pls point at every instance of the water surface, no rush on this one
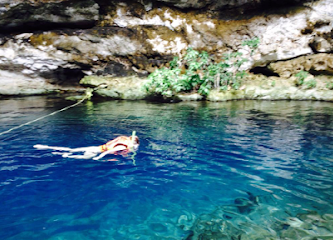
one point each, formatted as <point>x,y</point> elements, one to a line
<point>203,170</point>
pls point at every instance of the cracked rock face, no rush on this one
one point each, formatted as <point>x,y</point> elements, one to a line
<point>59,42</point>
<point>50,14</point>
<point>319,63</point>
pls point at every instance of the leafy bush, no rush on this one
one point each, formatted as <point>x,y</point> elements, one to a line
<point>300,77</point>
<point>329,85</point>
<point>198,72</point>
<point>312,83</point>
<point>301,80</point>
<point>252,43</point>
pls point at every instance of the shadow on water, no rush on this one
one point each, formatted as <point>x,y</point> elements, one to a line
<point>232,170</point>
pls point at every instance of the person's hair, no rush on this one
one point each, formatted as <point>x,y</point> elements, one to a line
<point>136,139</point>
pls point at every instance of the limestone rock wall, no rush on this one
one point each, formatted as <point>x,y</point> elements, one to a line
<point>321,63</point>
<point>55,43</point>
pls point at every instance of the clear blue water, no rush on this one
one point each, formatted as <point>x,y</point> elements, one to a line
<point>250,164</point>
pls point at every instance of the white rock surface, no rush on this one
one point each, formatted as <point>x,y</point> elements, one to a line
<point>140,42</point>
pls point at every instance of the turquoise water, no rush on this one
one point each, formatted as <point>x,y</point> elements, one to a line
<point>231,170</point>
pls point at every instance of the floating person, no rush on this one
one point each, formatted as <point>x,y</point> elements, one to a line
<point>120,145</point>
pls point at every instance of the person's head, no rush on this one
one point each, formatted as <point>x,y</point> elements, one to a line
<point>135,142</point>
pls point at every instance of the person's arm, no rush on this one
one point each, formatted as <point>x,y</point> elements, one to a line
<point>116,149</point>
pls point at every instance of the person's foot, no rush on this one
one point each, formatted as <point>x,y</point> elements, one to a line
<point>39,146</point>
<point>57,153</point>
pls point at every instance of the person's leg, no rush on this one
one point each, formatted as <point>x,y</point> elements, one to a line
<point>44,147</point>
<point>86,155</point>
<point>82,149</point>
<point>85,149</point>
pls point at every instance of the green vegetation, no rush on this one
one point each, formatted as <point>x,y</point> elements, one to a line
<point>312,83</point>
<point>199,72</point>
<point>329,85</point>
<point>252,43</point>
<point>300,77</point>
<point>301,80</point>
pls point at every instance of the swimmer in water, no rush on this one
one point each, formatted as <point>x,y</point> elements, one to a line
<point>120,145</point>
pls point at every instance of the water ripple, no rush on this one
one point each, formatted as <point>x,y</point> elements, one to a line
<point>203,170</point>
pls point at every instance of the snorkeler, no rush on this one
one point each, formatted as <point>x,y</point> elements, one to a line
<point>120,145</point>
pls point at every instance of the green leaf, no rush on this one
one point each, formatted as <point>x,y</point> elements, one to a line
<point>201,74</point>
<point>174,63</point>
<point>252,43</point>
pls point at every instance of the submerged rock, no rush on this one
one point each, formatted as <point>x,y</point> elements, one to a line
<point>309,225</point>
<point>246,220</point>
<point>263,221</point>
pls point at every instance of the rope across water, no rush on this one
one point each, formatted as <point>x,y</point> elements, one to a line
<point>88,95</point>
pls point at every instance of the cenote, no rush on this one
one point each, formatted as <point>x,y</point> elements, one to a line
<point>231,170</point>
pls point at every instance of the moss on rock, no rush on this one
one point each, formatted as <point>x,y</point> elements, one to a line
<point>275,88</point>
<point>45,39</point>
<point>127,88</point>
<point>256,87</point>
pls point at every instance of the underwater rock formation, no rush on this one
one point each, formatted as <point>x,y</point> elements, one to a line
<point>256,217</point>
<point>50,45</point>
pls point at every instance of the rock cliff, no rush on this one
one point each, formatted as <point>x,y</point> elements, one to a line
<point>50,45</point>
